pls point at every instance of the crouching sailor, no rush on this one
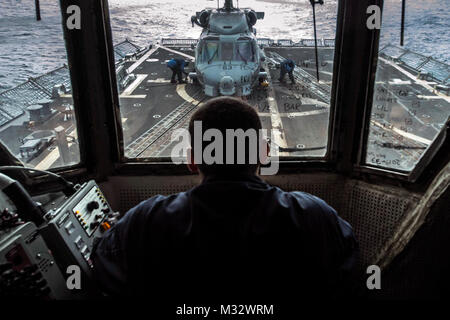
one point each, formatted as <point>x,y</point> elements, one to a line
<point>287,66</point>
<point>177,66</point>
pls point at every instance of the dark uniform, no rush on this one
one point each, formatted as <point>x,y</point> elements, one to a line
<point>287,66</point>
<point>231,236</point>
<point>177,66</point>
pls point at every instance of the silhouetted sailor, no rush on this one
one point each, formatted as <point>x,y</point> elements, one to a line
<point>232,236</point>
<point>177,66</point>
<point>287,66</point>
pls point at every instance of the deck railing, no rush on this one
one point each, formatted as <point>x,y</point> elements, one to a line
<point>13,102</point>
<point>423,66</point>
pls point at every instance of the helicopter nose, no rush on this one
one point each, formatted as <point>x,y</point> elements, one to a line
<point>227,87</point>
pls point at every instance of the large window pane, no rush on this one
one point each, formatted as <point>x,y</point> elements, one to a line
<point>37,121</point>
<point>411,100</point>
<point>152,108</point>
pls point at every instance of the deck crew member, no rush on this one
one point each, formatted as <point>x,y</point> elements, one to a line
<point>287,66</point>
<point>233,235</point>
<point>177,66</point>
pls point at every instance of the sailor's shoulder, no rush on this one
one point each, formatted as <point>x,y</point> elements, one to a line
<point>311,203</point>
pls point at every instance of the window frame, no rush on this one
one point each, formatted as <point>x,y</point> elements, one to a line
<point>80,167</point>
<point>347,122</point>
<point>361,166</point>
<point>91,65</point>
<point>287,163</point>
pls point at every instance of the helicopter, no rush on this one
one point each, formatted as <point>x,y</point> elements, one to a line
<point>228,60</point>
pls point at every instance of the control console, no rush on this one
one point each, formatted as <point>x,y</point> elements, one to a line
<point>27,266</point>
<point>72,229</point>
<point>36,258</point>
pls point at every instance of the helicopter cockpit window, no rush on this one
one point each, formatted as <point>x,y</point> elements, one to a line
<point>211,51</point>
<point>245,52</point>
<point>411,99</point>
<point>227,51</point>
<point>37,116</point>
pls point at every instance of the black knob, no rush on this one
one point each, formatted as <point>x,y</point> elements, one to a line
<point>94,224</point>
<point>92,205</point>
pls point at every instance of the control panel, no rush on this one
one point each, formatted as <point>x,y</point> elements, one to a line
<point>72,229</point>
<point>28,267</point>
<point>92,210</point>
<point>35,258</point>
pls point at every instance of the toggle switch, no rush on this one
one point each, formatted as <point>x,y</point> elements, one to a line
<point>105,226</point>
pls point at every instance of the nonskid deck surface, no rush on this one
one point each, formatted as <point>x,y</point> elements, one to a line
<point>406,116</point>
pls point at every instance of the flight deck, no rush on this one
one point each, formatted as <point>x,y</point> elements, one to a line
<point>406,116</point>
<point>156,108</point>
<point>407,113</point>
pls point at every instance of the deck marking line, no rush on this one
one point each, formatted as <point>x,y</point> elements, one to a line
<point>129,90</point>
<point>53,156</point>
<point>294,114</point>
<point>181,91</point>
<point>277,124</point>
<point>177,52</point>
<point>429,97</point>
<point>137,96</point>
<point>159,80</point>
<point>141,60</point>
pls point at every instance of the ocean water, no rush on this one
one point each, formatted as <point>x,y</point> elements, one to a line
<point>29,48</point>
